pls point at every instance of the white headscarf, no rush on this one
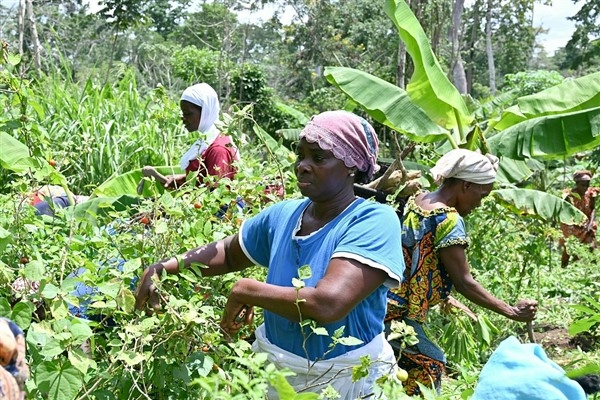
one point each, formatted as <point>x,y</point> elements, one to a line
<point>467,165</point>
<point>205,97</point>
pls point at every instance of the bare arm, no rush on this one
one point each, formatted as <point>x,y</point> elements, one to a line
<point>455,262</point>
<point>219,257</point>
<point>345,284</point>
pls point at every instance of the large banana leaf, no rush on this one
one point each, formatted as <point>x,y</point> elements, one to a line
<point>289,135</point>
<point>14,155</point>
<point>570,96</point>
<point>544,206</point>
<point>126,184</point>
<point>387,104</point>
<point>549,137</point>
<point>513,171</point>
<point>298,115</point>
<point>429,86</point>
<point>100,207</point>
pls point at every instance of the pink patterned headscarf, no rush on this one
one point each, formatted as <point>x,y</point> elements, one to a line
<point>349,137</point>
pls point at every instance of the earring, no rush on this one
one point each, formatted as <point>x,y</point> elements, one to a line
<point>352,174</point>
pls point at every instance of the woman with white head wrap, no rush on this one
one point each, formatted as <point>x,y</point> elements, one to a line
<point>213,153</point>
<point>434,240</point>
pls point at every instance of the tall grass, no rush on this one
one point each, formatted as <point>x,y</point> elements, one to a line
<point>94,132</point>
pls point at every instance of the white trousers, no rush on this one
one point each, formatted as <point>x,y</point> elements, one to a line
<point>336,371</point>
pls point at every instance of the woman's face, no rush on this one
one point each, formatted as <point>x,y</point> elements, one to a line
<point>190,115</point>
<point>321,176</point>
<point>582,186</point>
<point>473,194</point>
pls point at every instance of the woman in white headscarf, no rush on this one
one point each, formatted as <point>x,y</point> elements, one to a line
<point>434,240</point>
<point>213,153</point>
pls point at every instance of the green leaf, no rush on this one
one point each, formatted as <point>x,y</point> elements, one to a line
<point>127,183</point>
<point>52,349</point>
<point>429,86</point>
<point>5,238</point>
<point>297,283</point>
<point>283,387</point>
<point>580,326</point>
<point>21,314</point>
<point>549,137</point>
<point>58,380</point>
<point>80,361</point>
<point>59,308</point>
<point>544,206</point>
<point>130,358</point>
<point>98,207</point>
<point>299,116</point>
<point>14,155</point>
<point>386,103</point>
<point>512,171</point>
<point>290,135</point>
<point>81,331</point>
<point>110,289</point>
<point>35,270</point>
<point>5,308</point>
<point>350,341</point>
<point>592,368</point>
<point>50,291</point>
<point>570,96</point>
<point>126,301</point>
<point>319,331</point>
<point>304,272</point>
<point>161,227</point>
<point>132,265</point>
<point>200,363</point>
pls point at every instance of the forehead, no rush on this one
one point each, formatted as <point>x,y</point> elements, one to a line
<point>187,106</point>
<point>305,145</point>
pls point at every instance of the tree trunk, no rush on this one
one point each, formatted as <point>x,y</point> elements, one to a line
<point>401,69</point>
<point>21,25</point>
<point>488,47</point>
<point>37,47</point>
<point>458,70</point>
<point>471,46</point>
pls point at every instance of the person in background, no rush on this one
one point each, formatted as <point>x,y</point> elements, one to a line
<point>40,199</point>
<point>583,197</point>
<point>350,245</point>
<point>434,240</point>
<point>212,154</point>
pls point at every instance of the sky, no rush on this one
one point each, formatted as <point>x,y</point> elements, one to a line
<point>555,19</point>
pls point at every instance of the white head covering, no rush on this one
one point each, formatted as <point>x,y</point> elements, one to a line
<point>467,165</point>
<point>205,97</point>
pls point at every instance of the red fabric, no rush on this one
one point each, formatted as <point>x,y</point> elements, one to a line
<point>217,160</point>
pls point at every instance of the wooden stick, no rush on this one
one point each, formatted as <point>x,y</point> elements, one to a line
<point>530,332</point>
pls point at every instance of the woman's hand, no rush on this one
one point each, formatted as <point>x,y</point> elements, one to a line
<point>235,316</point>
<point>525,310</point>
<point>170,182</point>
<point>146,293</point>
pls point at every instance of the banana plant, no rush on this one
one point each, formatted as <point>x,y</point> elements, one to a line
<point>552,124</point>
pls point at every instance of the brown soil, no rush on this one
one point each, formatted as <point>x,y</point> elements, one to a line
<point>554,338</point>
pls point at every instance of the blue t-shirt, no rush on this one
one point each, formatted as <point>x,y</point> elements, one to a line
<point>366,231</point>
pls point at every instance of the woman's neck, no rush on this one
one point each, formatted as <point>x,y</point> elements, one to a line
<point>326,211</point>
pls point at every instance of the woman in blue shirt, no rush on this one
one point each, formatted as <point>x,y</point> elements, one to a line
<point>350,244</point>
